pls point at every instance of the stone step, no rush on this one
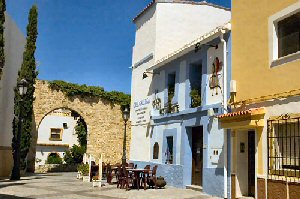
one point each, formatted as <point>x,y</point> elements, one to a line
<point>194,187</point>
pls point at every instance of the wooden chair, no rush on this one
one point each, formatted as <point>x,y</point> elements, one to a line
<point>131,165</point>
<point>152,177</point>
<point>120,177</point>
<point>145,175</point>
<point>127,179</point>
<point>108,173</point>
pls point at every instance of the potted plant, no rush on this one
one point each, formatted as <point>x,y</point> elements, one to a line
<point>96,181</point>
<point>171,93</point>
<point>84,170</point>
<point>195,98</point>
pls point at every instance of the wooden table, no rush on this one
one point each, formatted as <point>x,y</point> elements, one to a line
<point>137,173</point>
<point>115,169</point>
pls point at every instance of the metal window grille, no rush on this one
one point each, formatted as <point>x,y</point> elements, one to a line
<point>284,147</point>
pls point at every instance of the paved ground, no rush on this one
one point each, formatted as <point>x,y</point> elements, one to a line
<point>65,185</point>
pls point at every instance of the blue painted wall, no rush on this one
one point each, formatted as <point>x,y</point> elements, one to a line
<point>179,125</point>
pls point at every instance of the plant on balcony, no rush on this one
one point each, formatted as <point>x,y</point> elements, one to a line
<point>156,103</point>
<point>195,98</point>
<point>171,92</point>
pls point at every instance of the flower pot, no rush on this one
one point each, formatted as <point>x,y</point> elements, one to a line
<point>86,178</point>
<point>160,182</point>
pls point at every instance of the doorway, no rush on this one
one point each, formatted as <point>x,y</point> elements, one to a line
<point>251,163</point>
<point>197,155</point>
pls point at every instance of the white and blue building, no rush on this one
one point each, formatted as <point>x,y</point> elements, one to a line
<point>181,46</point>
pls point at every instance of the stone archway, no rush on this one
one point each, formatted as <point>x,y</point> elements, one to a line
<point>104,121</point>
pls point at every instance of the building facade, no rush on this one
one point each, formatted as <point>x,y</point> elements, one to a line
<point>14,47</point>
<point>176,51</point>
<point>265,99</point>
<point>56,134</point>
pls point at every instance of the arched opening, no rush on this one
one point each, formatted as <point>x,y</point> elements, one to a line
<point>61,135</point>
<point>54,158</point>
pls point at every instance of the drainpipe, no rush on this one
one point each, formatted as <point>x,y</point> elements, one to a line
<point>225,107</point>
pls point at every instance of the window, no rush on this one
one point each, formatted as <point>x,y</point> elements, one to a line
<point>155,151</point>
<point>284,35</point>
<point>288,31</point>
<point>56,134</point>
<point>195,84</point>
<point>284,147</point>
<point>169,150</point>
<point>171,93</point>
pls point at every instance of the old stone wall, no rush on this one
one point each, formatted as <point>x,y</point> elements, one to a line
<point>104,121</point>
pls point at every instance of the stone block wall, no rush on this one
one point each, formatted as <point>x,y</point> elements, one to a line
<point>104,121</point>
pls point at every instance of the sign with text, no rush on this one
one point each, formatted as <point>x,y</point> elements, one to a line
<point>141,110</point>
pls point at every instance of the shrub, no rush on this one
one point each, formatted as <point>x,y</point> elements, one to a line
<point>84,169</point>
<point>74,155</point>
<point>53,158</point>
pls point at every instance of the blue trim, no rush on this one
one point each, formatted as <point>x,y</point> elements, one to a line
<point>187,111</point>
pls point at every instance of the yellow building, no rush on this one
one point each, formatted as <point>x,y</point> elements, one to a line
<point>265,98</point>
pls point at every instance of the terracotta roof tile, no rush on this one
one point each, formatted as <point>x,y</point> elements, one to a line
<point>244,112</point>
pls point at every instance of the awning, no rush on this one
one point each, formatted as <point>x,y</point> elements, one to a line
<point>251,118</point>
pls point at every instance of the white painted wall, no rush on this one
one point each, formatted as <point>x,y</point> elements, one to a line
<point>210,94</point>
<point>160,30</point>
<point>42,153</point>
<point>145,35</point>
<point>179,24</point>
<point>14,47</point>
<point>68,136</point>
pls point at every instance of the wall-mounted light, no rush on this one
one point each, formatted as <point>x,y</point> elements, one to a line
<point>146,72</point>
<point>198,46</point>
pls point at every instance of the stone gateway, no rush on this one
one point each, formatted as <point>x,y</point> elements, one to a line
<point>105,125</point>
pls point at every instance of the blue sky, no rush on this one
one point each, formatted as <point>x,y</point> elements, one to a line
<point>84,41</point>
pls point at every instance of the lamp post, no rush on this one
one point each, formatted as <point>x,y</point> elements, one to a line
<point>126,114</point>
<point>22,88</point>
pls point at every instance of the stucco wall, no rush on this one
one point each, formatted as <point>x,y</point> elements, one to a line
<point>179,24</point>
<point>14,47</point>
<point>69,136</point>
<point>250,51</point>
<point>104,121</point>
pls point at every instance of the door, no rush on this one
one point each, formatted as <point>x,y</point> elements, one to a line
<point>251,163</point>
<point>197,155</point>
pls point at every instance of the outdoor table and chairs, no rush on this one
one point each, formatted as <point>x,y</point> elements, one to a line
<point>138,174</point>
<point>130,176</point>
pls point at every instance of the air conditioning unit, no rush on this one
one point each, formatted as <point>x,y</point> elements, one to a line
<point>232,86</point>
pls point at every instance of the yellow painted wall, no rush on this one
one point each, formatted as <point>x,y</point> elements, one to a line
<point>250,51</point>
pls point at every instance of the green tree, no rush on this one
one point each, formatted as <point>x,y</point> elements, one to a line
<point>74,155</point>
<point>24,104</point>
<point>81,131</point>
<point>2,20</point>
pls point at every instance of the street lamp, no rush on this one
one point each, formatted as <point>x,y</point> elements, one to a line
<point>22,88</point>
<point>126,114</point>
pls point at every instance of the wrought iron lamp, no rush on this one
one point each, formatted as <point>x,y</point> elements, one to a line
<point>126,114</point>
<point>148,72</point>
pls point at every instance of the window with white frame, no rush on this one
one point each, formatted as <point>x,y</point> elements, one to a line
<point>284,35</point>
<point>288,32</point>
